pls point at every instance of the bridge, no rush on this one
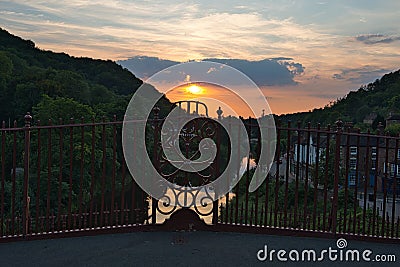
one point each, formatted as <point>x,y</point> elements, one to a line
<point>68,180</point>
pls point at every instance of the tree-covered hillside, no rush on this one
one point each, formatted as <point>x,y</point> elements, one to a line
<point>381,98</point>
<point>29,76</point>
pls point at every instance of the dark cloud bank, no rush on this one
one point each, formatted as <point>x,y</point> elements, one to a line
<point>267,72</point>
<point>360,75</point>
<point>371,39</point>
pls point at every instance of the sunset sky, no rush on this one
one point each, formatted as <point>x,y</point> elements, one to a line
<point>323,49</point>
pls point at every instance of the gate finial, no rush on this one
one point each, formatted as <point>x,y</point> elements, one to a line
<point>28,119</point>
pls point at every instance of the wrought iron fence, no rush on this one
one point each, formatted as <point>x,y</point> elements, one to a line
<point>334,180</point>
<point>60,178</point>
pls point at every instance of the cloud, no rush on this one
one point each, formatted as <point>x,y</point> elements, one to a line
<point>326,96</point>
<point>338,76</point>
<point>321,35</point>
<point>144,67</point>
<point>362,75</point>
<point>371,39</point>
<point>183,31</point>
<point>266,72</point>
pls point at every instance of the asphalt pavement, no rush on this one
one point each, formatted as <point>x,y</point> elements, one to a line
<point>191,249</point>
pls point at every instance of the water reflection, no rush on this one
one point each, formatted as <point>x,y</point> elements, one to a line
<point>160,218</point>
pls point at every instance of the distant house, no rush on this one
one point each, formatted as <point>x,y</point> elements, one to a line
<point>305,152</point>
<point>366,160</point>
<point>360,157</point>
<point>367,164</point>
<point>391,170</point>
<point>369,119</point>
<point>392,119</point>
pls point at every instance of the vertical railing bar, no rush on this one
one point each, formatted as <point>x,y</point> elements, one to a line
<point>398,226</point>
<point>216,171</point>
<point>103,172</point>
<point>396,159</point>
<point>246,208</point>
<point>231,213</point>
<point>71,156</point>
<point>49,163</point>
<point>14,167</point>
<point>277,183</point>
<point>346,178</point>
<point>306,175</point>
<point>385,186</point>
<point>92,174</point>
<point>367,178</point>
<point>377,138</point>
<point>143,194</point>
<point>80,201</point>
<point>26,199</point>
<point>133,184</point>
<point>60,175</point>
<point>227,193</point>
<point>258,152</point>
<point>238,173</point>
<point>266,200</point>
<point>296,193</point>
<point>356,204</point>
<point>122,205</point>
<point>288,158</point>
<point>3,144</point>
<point>112,218</point>
<point>316,178</point>
<point>156,157</point>
<point>326,174</point>
<point>336,176</point>
<point>49,170</point>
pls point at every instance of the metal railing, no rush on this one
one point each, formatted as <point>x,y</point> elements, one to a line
<point>315,189</point>
<point>73,178</point>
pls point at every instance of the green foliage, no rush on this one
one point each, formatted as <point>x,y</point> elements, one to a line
<point>394,103</point>
<point>381,97</point>
<point>362,112</point>
<point>27,74</point>
<point>54,109</point>
<point>393,129</point>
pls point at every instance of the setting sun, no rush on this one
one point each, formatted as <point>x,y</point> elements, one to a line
<point>194,89</point>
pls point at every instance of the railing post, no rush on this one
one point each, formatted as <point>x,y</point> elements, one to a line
<point>25,218</point>
<point>216,207</point>
<point>338,140</point>
<point>154,202</point>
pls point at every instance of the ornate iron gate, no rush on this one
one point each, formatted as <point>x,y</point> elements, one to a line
<point>184,187</point>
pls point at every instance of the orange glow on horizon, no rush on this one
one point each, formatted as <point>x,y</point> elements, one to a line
<point>282,100</point>
<point>214,96</point>
<point>195,89</point>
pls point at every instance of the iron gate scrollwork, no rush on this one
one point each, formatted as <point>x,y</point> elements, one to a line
<point>190,171</point>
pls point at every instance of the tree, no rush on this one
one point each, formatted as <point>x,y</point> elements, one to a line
<point>6,69</point>
<point>362,112</point>
<point>393,129</point>
<point>394,103</point>
<point>64,108</point>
